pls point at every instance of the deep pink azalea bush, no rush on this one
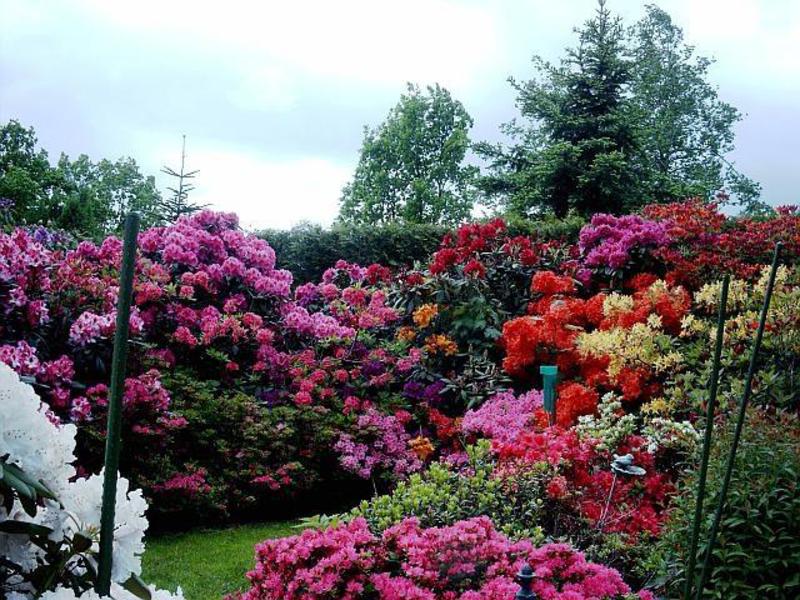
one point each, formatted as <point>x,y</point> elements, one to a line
<point>503,416</point>
<point>468,560</point>
<point>207,298</point>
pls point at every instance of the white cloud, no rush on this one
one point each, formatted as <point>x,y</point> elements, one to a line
<point>273,95</point>
<point>265,193</point>
<point>352,40</point>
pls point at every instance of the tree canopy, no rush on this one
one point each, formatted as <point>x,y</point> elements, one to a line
<point>411,168</point>
<point>80,196</point>
<point>626,118</point>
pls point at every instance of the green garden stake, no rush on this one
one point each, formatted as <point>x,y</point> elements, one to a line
<point>748,388</point>
<point>712,404</point>
<point>549,375</point>
<point>113,429</point>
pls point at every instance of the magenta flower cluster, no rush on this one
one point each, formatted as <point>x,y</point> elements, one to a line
<point>609,241</point>
<point>468,560</point>
<point>502,417</point>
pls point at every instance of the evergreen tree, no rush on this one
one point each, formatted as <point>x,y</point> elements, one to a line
<point>575,150</point>
<point>178,203</point>
<point>627,118</point>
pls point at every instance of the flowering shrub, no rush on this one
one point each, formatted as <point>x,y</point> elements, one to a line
<point>50,523</point>
<point>614,242</point>
<point>503,417</point>
<point>387,447</point>
<point>468,560</point>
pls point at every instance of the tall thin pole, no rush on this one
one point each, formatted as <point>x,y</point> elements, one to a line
<point>748,388</point>
<point>113,430</point>
<point>712,405</point>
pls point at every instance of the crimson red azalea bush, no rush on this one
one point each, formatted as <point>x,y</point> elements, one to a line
<point>581,481</point>
<point>466,561</point>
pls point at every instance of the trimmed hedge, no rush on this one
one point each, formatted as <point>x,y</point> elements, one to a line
<point>307,250</point>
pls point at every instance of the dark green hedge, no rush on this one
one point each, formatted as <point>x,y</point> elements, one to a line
<point>308,250</point>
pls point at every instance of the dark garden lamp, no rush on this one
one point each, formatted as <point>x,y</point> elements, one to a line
<point>525,579</point>
<point>549,375</point>
<point>621,465</point>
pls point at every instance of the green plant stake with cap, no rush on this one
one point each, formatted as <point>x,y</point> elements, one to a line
<point>113,430</point>
<point>549,375</point>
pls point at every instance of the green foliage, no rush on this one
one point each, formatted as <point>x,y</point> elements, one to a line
<point>626,119</point>
<point>576,152</point>
<point>234,440</point>
<point>410,167</point>
<point>80,196</point>
<point>308,250</point>
<point>758,548</point>
<point>684,130</point>
<point>441,496</point>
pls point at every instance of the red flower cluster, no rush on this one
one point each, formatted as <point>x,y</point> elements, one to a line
<point>581,479</point>
<point>548,335</point>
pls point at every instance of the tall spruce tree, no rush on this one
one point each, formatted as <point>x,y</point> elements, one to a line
<point>574,150</point>
<point>627,118</point>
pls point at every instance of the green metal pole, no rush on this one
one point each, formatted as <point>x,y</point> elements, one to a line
<point>748,388</point>
<point>113,430</point>
<point>712,404</point>
<point>549,375</point>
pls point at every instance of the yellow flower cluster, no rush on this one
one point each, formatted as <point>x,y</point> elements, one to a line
<point>744,303</point>
<point>441,343</point>
<point>425,314</point>
<point>644,344</point>
<point>658,407</point>
<point>707,297</point>
<point>616,304</point>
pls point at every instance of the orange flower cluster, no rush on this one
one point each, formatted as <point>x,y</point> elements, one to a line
<point>575,400</point>
<point>548,335</point>
<point>425,314</point>
<point>440,343</point>
<point>406,334</point>
<point>422,447</point>
<point>671,304</point>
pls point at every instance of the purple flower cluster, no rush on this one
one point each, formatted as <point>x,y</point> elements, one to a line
<point>609,241</point>
<point>503,416</point>
<point>378,443</point>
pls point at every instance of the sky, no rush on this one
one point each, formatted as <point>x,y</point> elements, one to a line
<point>273,96</point>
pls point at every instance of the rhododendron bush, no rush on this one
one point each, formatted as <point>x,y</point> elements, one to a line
<point>422,387</point>
<point>207,298</point>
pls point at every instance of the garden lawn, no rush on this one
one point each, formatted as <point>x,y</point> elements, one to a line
<point>208,563</point>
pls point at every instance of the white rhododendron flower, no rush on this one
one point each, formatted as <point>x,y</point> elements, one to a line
<point>43,450</point>
<point>117,593</point>
<point>83,501</point>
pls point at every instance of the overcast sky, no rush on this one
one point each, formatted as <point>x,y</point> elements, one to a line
<point>273,96</point>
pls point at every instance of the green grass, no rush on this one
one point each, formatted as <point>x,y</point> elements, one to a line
<point>207,563</point>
